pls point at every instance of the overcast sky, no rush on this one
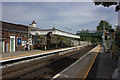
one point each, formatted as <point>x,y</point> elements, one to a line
<point>62,15</point>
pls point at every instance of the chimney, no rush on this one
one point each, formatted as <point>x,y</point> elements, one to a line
<point>33,24</point>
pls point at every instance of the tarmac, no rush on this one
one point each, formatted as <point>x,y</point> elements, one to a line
<point>80,69</point>
<point>16,53</point>
<point>96,65</point>
<point>103,67</point>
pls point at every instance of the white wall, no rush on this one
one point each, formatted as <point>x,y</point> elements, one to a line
<point>12,37</point>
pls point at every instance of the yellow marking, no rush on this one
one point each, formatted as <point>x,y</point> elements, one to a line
<point>91,64</point>
<point>34,53</point>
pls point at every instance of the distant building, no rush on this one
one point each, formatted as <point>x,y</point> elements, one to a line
<point>53,38</point>
<point>17,37</point>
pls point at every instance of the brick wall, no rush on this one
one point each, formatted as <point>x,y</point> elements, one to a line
<point>19,31</point>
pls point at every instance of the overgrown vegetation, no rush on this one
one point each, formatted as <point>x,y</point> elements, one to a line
<point>105,24</point>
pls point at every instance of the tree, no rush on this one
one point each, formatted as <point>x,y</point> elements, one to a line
<point>107,4</point>
<point>102,24</point>
<point>83,30</point>
<point>87,30</point>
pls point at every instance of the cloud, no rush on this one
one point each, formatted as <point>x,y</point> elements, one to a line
<point>75,15</point>
<point>47,0</point>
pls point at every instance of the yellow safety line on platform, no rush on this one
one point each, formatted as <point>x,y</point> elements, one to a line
<point>33,53</point>
<point>24,55</point>
<point>92,63</point>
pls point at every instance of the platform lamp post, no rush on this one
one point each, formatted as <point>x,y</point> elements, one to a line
<point>111,32</point>
<point>29,31</point>
<point>118,27</point>
<point>103,37</point>
<point>28,39</point>
<point>45,42</point>
<point>119,54</point>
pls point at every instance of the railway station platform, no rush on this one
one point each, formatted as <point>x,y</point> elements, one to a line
<point>17,53</point>
<point>21,54</point>
<point>80,68</point>
<point>104,67</point>
<point>89,68</point>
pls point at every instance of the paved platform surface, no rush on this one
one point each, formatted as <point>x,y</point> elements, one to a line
<point>80,68</point>
<point>103,67</point>
<point>10,54</point>
<point>96,65</point>
<point>15,54</point>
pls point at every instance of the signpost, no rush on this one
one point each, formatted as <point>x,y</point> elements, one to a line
<point>29,38</point>
<point>103,37</point>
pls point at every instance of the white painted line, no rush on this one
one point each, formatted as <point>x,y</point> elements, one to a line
<point>57,75</point>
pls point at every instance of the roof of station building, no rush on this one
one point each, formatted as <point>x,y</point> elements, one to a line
<point>54,31</point>
<point>12,27</point>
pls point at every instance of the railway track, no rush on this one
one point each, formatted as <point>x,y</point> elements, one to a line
<point>44,68</point>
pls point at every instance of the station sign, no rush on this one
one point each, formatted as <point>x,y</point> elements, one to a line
<point>18,41</point>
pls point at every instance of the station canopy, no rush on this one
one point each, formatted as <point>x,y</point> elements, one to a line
<point>54,31</point>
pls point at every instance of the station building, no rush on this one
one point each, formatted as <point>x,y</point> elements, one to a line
<point>14,37</point>
<point>52,38</point>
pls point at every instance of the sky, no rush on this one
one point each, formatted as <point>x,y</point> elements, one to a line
<point>67,16</point>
